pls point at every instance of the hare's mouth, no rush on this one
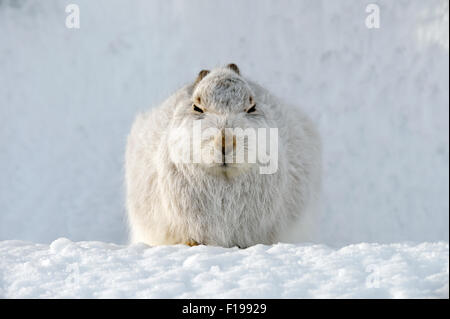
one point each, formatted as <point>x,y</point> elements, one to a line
<point>227,170</point>
<point>224,166</point>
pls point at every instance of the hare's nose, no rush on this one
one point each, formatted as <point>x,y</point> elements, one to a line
<point>226,142</point>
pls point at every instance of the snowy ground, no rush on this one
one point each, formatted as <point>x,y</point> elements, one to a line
<point>379,97</point>
<point>98,270</point>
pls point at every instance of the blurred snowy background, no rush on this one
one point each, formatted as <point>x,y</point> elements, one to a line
<point>380,97</point>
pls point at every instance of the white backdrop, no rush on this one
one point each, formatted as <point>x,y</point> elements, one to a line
<point>379,96</point>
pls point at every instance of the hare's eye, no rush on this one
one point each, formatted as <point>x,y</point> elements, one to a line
<point>252,109</point>
<point>197,109</point>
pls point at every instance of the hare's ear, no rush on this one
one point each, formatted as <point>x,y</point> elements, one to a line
<point>200,76</point>
<point>234,67</point>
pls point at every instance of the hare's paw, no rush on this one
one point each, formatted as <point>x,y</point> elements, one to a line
<point>191,243</point>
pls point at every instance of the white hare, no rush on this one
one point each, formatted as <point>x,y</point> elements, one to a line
<point>215,199</point>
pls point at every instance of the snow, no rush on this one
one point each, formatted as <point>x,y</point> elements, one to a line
<point>379,96</point>
<point>66,269</point>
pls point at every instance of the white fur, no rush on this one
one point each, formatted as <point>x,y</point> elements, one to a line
<point>172,203</point>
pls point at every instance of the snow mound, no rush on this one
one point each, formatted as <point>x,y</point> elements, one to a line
<point>66,269</point>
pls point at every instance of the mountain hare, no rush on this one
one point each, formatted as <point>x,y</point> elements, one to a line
<point>222,162</point>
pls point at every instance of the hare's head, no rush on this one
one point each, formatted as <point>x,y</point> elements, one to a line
<point>218,125</point>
